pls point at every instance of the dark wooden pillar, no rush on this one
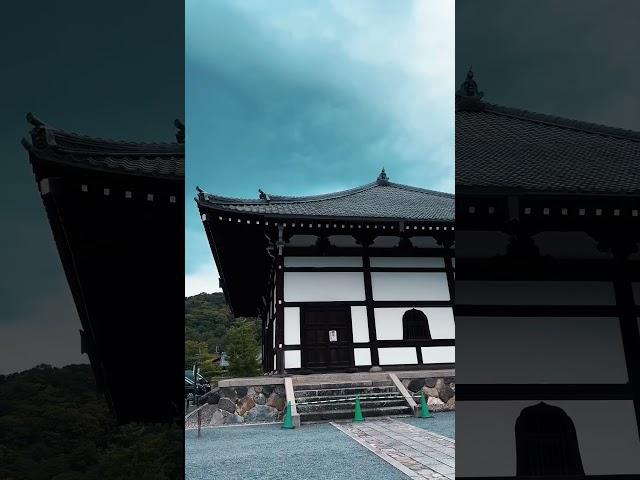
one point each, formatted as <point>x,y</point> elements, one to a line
<point>366,241</point>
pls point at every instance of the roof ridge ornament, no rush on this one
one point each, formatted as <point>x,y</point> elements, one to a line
<point>468,97</point>
<point>264,195</point>
<point>383,178</point>
<point>35,121</point>
<point>469,88</point>
<point>180,133</point>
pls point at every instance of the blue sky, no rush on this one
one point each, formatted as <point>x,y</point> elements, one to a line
<point>298,98</point>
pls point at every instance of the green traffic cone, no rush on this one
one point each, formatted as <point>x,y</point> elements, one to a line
<point>358,417</point>
<point>288,419</point>
<point>425,408</point>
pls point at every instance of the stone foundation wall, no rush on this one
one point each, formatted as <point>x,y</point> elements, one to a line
<point>232,405</point>
<point>439,392</point>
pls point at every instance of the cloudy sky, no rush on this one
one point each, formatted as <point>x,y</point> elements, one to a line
<point>299,98</point>
<point>87,68</point>
<point>572,58</point>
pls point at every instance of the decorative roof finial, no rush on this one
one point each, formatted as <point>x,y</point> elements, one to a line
<point>469,87</point>
<point>180,133</point>
<point>264,195</point>
<point>383,179</point>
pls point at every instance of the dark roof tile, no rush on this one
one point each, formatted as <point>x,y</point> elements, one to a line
<point>384,200</point>
<point>508,148</point>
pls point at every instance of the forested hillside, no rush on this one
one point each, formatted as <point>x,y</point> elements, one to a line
<point>207,324</point>
<point>207,319</point>
<point>53,425</point>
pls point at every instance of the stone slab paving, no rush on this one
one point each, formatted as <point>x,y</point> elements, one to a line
<point>414,451</point>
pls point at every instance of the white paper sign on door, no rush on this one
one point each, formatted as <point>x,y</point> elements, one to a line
<point>333,336</point>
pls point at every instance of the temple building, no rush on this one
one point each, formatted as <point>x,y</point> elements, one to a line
<point>344,281</point>
<point>116,210</point>
<point>547,294</point>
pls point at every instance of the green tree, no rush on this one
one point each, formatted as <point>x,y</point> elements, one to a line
<point>243,349</point>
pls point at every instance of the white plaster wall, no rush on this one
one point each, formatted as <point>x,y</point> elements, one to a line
<point>386,242</point>
<point>362,356</point>
<point>540,350</point>
<point>573,245</point>
<point>292,359</point>
<point>410,286</point>
<point>323,261</point>
<point>343,241</point>
<point>534,293</point>
<point>292,326</point>
<point>323,286</point>
<point>302,241</point>
<point>389,322</point>
<point>397,355</point>
<point>438,354</point>
<point>359,324</point>
<point>425,242</point>
<point>407,262</point>
<point>606,431</point>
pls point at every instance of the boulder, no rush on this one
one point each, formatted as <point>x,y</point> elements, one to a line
<point>260,399</point>
<point>451,403</point>
<point>435,404</point>
<point>452,385</point>
<point>444,391</point>
<point>241,391</point>
<point>229,392</point>
<point>277,401</point>
<point>227,404</point>
<point>257,389</point>
<point>212,397</point>
<point>230,418</point>
<point>261,413</point>
<point>430,382</point>
<point>416,384</point>
<point>430,392</point>
<point>267,389</point>
<point>279,389</point>
<point>245,404</point>
<point>217,418</point>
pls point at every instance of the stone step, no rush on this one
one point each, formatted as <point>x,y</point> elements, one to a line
<point>338,385</point>
<point>346,391</point>
<point>349,398</point>
<point>340,414</point>
<point>349,404</point>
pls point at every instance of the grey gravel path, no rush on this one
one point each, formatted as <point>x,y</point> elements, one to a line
<point>265,452</point>
<point>414,451</point>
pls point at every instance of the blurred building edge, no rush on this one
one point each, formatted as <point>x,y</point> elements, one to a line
<point>547,289</point>
<point>116,210</point>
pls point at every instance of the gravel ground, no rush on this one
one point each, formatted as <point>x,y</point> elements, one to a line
<point>316,451</point>
<point>442,423</point>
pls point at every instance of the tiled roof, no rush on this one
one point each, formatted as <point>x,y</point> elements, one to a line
<point>380,199</point>
<point>509,148</point>
<point>165,160</point>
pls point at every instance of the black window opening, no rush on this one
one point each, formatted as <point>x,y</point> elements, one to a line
<point>546,442</point>
<point>415,325</point>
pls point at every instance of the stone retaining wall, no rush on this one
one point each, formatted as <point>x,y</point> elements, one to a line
<point>241,404</point>
<point>440,392</point>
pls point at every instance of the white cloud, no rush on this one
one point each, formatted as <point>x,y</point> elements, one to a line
<point>203,279</point>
